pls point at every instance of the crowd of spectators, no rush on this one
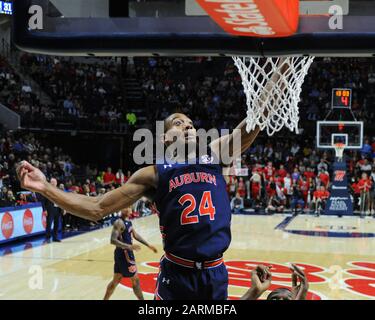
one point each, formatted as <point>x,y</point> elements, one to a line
<point>292,175</point>
<point>54,163</point>
<point>281,174</point>
<point>85,96</point>
<point>91,95</point>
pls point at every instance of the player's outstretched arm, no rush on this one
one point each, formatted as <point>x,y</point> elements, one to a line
<point>118,226</point>
<point>90,208</point>
<point>261,278</point>
<point>227,144</point>
<point>138,237</point>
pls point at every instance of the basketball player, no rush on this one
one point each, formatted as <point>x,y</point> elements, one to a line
<point>261,280</point>
<point>192,202</point>
<point>125,266</point>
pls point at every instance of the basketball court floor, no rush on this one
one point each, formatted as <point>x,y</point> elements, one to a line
<point>337,254</point>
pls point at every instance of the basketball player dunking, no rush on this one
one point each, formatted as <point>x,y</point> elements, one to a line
<point>193,205</point>
<point>125,266</point>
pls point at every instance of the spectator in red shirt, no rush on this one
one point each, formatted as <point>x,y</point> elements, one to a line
<point>241,189</point>
<point>309,173</point>
<point>22,200</point>
<point>304,187</point>
<point>320,198</point>
<point>282,172</point>
<point>269,171</point>
<point>109,177</point>
<point>271,188</point>
<point>356,192</point>
<point>324,178</point>
<point>255,190</point>
<point>128,175</point>
<point>364,185</point>
<point>120,177</point>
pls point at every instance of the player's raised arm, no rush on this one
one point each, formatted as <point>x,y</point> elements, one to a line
<point>90,208</point>
<point>227,144</point>
<point>118,226</point>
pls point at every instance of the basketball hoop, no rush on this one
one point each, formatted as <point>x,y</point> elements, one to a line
<point>272,86</point>
<point>339,149</point>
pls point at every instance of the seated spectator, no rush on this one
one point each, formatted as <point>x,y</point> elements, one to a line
<point>319,200</point>
<point>120,177</point>
<point>22,201</point>
<point>237,203</point>
<point>366,149</point>
<point>109,177</point>
<point>8,201</point>
<point>322,165</point>
<point>324,178</point>
<point>275,205</point>
<point>296,199</point>
<point>366,167</point>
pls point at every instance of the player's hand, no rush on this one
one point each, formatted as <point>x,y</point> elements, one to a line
<point>261,279</point>
<point>299,291</point>
<point>31,178</point>
<point>154,250</point>
<point>136,247</point>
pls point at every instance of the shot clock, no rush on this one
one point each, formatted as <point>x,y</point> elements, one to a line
<point>342,98</point>
<point>6,7</point>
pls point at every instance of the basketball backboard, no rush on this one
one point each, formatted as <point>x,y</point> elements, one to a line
<point>350,133</point>
<point>181,27</point>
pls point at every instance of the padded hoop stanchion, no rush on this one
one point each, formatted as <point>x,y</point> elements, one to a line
<point>254,18</point>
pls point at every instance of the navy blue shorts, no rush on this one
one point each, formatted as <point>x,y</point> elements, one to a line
<point>125,263</point>
<point>181,283</point>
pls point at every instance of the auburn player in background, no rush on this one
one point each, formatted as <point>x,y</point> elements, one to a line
<point>125,266</point>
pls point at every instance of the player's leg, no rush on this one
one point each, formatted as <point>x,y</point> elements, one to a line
<point>312,206</point>
<point>112,285</point>
<point>49,224</point>
<point>215,281</point>
<point>56,222</point>
<point>368,203</point>
<point>362,201</point>
<point>320,206</point>
<point>137,287</point>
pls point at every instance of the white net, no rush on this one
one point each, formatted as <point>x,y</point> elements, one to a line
<point>339,149</point>
<point>273,87</point>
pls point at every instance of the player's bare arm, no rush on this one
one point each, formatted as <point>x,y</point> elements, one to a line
<point>90,208</point>
<point>226,143</point>
<point>118,228</point>
<point>261,278</point>
<point>138,237</point>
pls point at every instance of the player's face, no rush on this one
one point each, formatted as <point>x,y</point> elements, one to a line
<point>280,294</point>
<point>180,128</point>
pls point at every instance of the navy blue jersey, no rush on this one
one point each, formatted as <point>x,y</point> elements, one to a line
<point>194,210</point>
<point>126,235</point>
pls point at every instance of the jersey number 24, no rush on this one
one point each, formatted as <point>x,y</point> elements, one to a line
<point>206,208</point>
